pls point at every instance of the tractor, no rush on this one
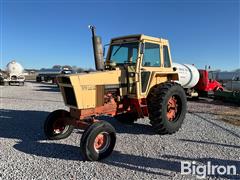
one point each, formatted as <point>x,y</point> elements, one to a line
<point>135,81</point>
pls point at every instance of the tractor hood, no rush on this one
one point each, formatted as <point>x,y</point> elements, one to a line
<point>86,90</point>
<point>98,78</point>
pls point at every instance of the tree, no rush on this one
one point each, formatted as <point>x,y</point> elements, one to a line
<point>57,67</point>
<point>80,70</point>
<point>91,70</point>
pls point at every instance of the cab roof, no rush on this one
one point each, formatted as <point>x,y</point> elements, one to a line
<point>138,37</point>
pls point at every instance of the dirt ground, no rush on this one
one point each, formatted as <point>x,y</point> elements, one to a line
<point>227,112</point>
<point>139,154</point>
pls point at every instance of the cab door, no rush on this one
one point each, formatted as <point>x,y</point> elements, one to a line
<point>151,61</point>
<point>130,68</point>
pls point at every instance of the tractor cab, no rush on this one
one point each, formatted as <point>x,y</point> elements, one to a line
<point>143,58</point>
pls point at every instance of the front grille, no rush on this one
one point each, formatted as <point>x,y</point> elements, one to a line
<point>14,78</point>
<point>70,96</point>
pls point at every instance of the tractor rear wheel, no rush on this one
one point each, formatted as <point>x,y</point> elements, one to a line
<point>98,141</point>
<point>167,106</point>
<point>55,127</point>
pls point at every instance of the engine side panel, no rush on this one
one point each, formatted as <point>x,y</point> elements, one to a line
<point>84,91</point>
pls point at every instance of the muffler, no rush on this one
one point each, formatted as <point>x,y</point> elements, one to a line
<point>97,49</point>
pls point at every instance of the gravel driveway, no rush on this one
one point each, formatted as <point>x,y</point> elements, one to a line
<point>138,154</point>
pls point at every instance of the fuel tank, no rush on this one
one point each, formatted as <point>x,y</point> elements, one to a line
<point>14,67</point>
<point>188,75</point>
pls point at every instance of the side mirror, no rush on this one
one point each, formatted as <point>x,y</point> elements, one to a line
<point>142,48</point>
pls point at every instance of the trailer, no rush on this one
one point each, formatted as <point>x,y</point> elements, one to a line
<point>196,82</point>
<point>228,96</point>
<point>13,74</point>
<point>51,74</point>
<point>231,92</point>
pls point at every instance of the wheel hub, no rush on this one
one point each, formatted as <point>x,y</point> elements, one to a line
<point>172,108</point>
<point>101,142</point>
<point>58,127</point>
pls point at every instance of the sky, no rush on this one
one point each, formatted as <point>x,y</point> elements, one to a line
<point>42,33</point>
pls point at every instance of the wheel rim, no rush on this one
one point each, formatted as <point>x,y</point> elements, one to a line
<point>59,127</point>
<point>172,108</point>
<point>102,142</point>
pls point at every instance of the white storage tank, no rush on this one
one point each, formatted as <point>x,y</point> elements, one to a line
<point>188,75</point>
<point>14,67</point>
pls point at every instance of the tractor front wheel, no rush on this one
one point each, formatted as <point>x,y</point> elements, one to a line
<point>167,106</point>
<point>55,127</point>
<point>98,141</point>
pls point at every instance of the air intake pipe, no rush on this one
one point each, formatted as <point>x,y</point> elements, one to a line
<point>97,49</point>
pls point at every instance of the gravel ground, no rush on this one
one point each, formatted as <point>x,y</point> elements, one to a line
<point>138,154</point>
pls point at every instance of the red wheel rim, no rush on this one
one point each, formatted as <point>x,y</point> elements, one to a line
<point>58,127</point>
<point>172,108</point>
<point>101,142</point>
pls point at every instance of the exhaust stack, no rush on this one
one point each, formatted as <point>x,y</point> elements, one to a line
<point>97,49</point>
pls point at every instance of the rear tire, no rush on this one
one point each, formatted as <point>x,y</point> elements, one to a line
<point>98,141</point>
<point>167,106</point>
<point>54,127</point>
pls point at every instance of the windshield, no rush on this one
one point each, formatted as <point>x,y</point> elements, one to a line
<point>124,53</point>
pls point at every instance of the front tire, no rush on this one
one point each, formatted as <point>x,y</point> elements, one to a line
<point>167,106</point>
<point>98,141</point>
<point>55,127</point>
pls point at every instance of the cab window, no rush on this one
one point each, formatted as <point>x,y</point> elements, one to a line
<point>151,56</point>
<point>166,57</point>
<point>124,53</point>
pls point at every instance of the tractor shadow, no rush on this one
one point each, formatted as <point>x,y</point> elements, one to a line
<point>48,88</point>
<point>26,128</point>
<point>134,128</point>
<point>143,164</point>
